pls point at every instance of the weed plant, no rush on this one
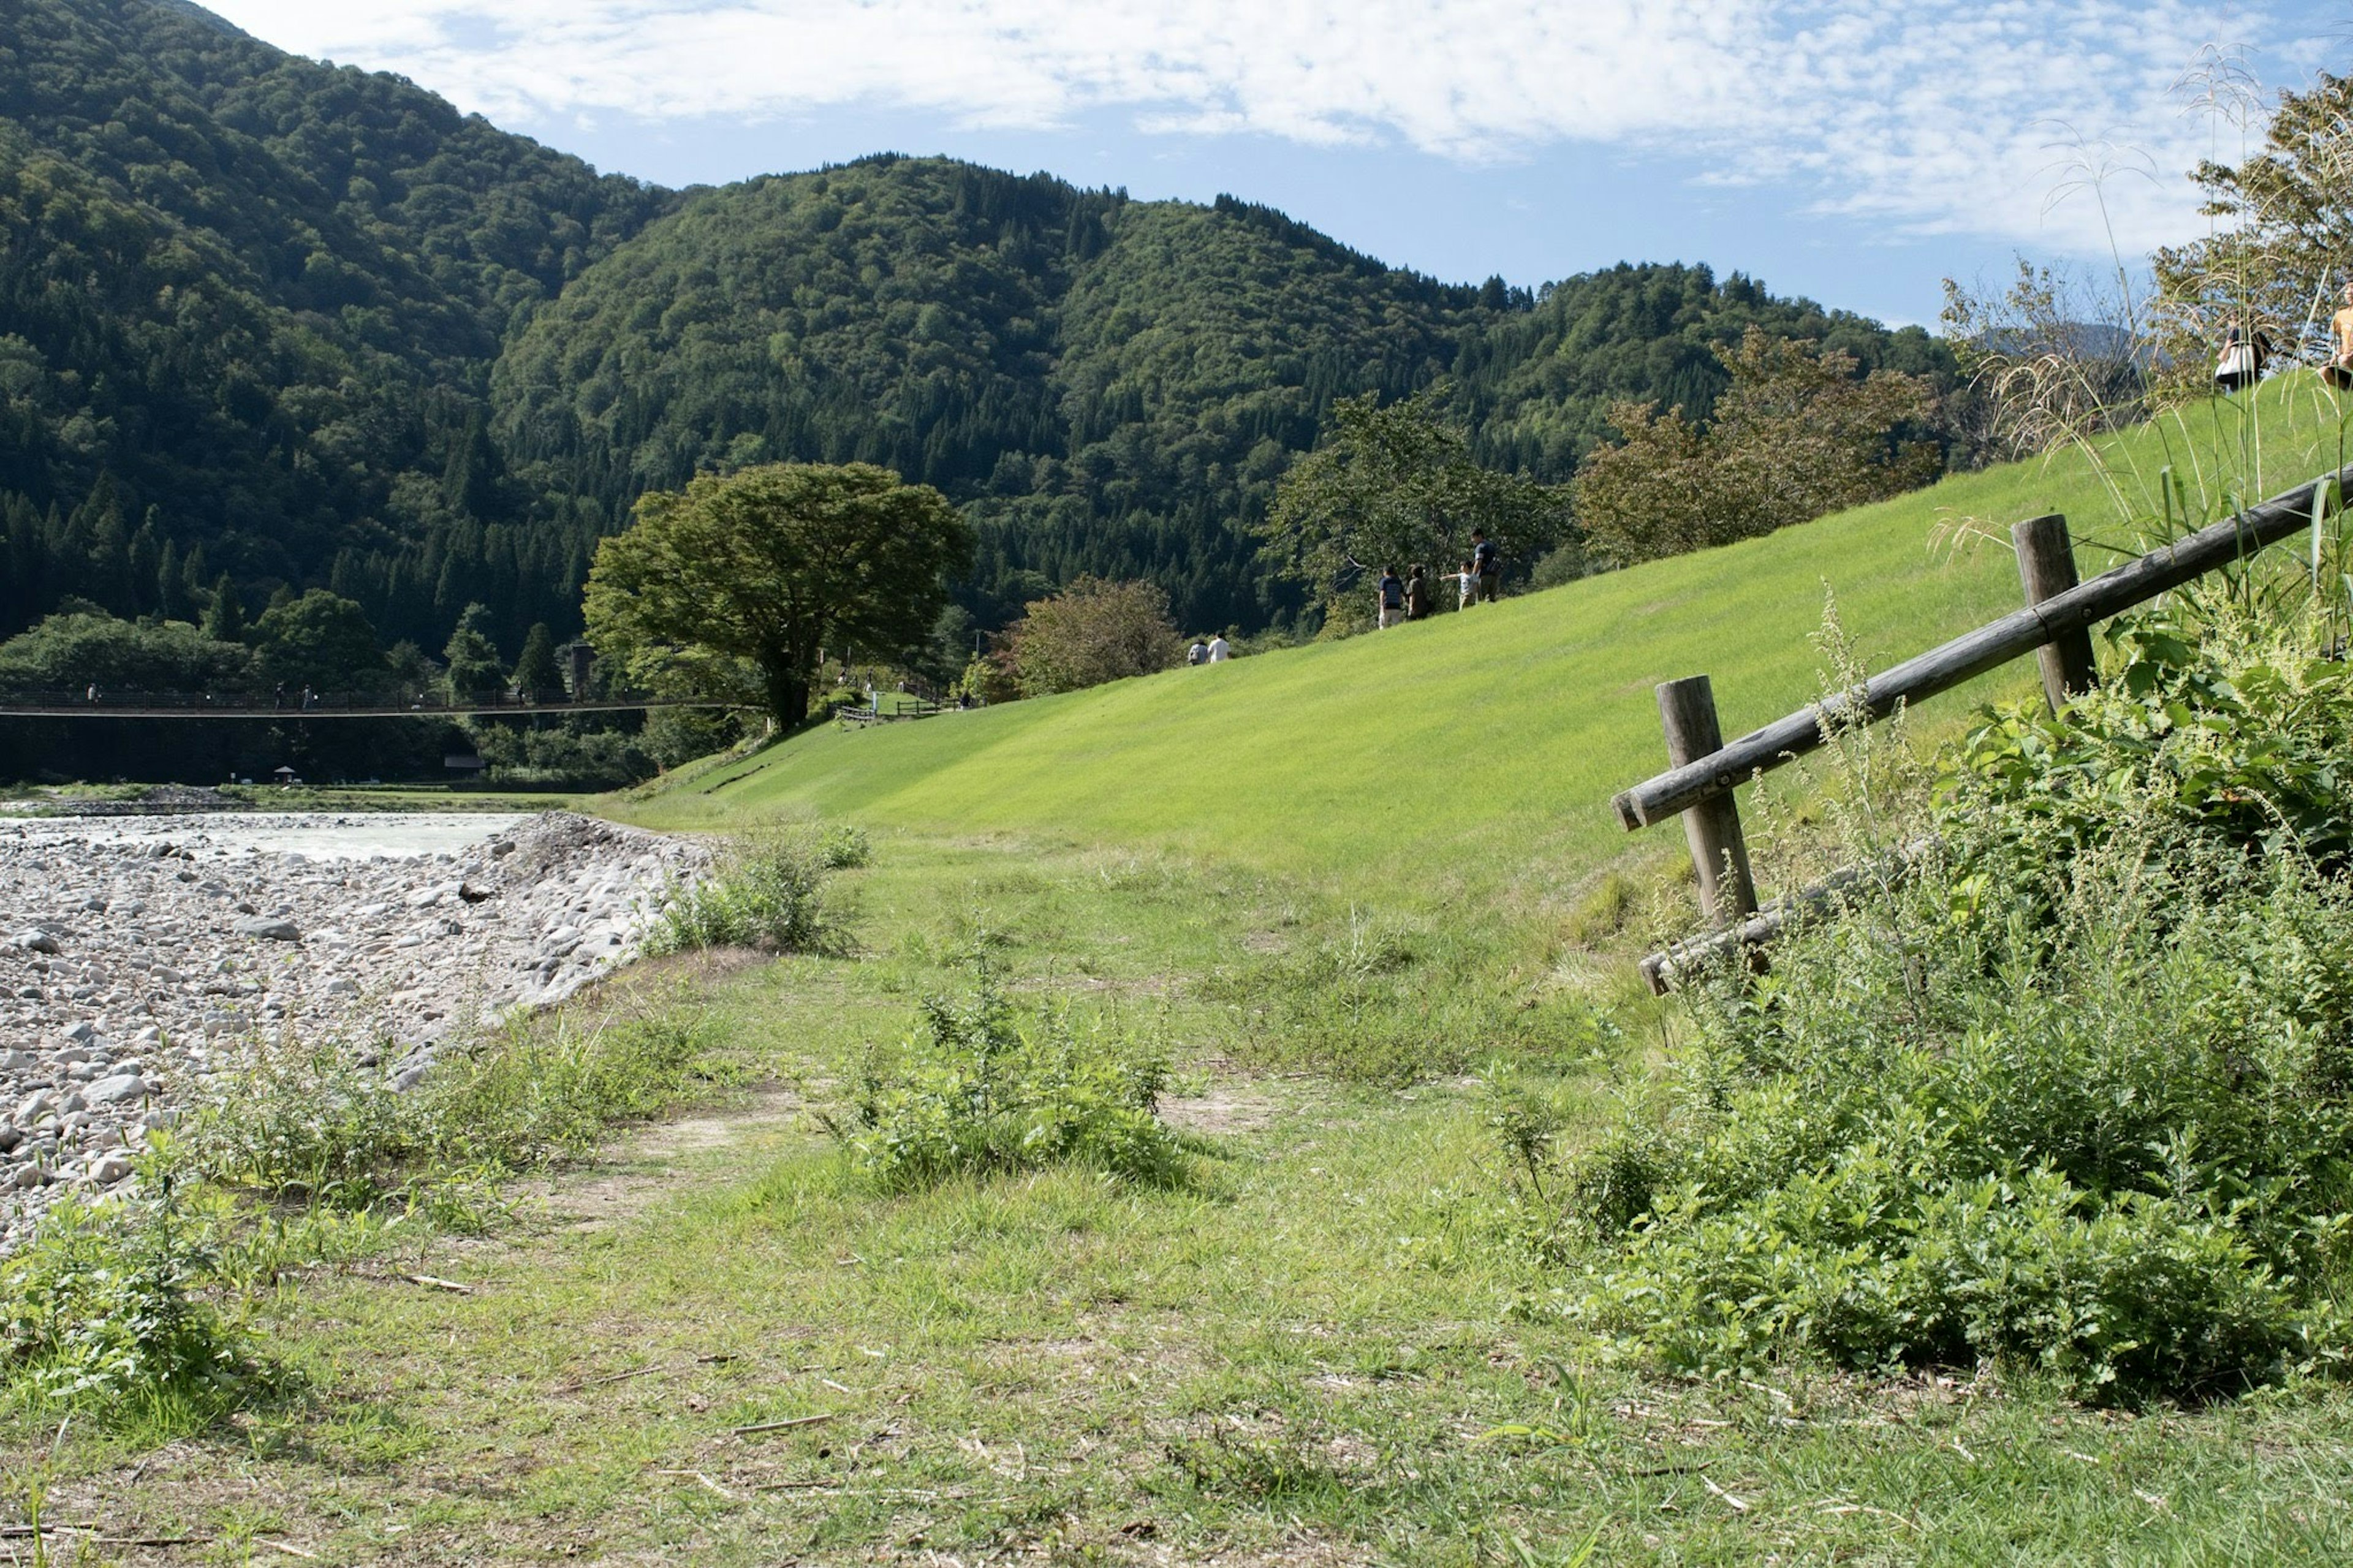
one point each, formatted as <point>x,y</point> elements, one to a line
<point>2075,1095</point>
<point>115,1305</point>
<point>766,893</point>
<point>108,1302</point>
<point>980,1087</point>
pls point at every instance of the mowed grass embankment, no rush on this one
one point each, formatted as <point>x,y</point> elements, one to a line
<point>1480,748</point>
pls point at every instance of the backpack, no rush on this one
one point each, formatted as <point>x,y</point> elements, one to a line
<point>1392,594</point>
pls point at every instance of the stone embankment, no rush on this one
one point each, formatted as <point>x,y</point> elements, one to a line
<point>131,950</point>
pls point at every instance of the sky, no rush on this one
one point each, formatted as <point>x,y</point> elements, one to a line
<point>1857,152</point>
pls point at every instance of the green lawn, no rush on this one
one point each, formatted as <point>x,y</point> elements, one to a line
<point>1473,750</point>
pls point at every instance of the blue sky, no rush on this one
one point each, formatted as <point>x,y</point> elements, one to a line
<point>1848,149</point>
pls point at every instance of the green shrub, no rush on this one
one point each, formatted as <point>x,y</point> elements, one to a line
<point>978,1087</point>
<point>105,1304</point>
<point>300,1118</point>
<point>2077,1095</point>
<point>540,1094</point>
<point>766,893</point>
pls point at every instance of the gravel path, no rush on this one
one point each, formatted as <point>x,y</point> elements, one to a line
<point>128,946</point>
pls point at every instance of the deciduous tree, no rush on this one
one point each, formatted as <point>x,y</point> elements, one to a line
<point>1395,484</point>
<point>1095,630</point>
<point>1797,436</point>
<point>737,583</point>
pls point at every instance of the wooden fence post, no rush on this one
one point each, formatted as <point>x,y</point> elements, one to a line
<point>2046,568</point>
<point>1727,891</point>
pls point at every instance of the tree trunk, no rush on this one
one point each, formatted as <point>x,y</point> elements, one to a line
<point>788,695</point>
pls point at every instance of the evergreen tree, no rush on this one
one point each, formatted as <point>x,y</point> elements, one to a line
<point>471,667</point>
<point>536,675</point>
<point>225,616</point>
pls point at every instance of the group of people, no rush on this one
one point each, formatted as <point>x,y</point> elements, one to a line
<point>2245,350</point>
<point>1407,598</point>
<point>1216,650</point>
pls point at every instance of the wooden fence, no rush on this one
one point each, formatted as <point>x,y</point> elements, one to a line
<point>2055,625</point>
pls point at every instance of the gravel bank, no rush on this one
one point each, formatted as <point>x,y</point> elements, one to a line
<point>129,946</point>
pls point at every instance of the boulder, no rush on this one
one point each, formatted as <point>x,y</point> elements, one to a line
<point>272,929</point>
<point>120,1090</point>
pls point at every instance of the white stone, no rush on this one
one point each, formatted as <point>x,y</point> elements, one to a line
<point>120,1089</point>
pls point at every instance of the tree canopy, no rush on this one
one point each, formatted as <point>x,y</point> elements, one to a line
<point>310,326</point>
<point>1799,434</point>
<point>1394,485</point>
<point>745,580</point>
<point>2276,259</point>
<point>1092,632</point>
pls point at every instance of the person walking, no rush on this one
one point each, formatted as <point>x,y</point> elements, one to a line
<point>1198,653</point>
<point>1221,649</point>
<point>1391,603</point>
<point>1489,564</point>
<point>1416,593</point>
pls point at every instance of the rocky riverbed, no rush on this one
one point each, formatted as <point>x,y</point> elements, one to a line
<point>131,948</point>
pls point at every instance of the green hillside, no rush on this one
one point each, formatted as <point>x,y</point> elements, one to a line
<point>1105,385</point>
<point>312,327</point>
<point>1479,749</point>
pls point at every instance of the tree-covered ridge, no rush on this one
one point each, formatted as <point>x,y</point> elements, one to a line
<point>1109,387</point>
<point>1537,385</point>
<point>311,327</point>
<point>248,305</point>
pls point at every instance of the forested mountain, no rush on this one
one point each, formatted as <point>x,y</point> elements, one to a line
<point>248,306</point>
<point>311,327</point>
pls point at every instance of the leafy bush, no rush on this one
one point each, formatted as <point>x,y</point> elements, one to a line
<point>978,1088</point>
<point>2078,1095</point>
<point>768,893</point>
<point>105,1303</point>
<point>294,1117</point>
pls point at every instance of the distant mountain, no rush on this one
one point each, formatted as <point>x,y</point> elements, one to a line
<point>311,326</point>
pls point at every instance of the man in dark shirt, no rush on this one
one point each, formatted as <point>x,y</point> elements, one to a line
<point>1488,564</point>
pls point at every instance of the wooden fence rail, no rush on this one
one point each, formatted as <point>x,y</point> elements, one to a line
<point>2055,625</point>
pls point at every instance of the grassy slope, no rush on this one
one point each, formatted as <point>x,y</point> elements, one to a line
<point>1491,739</point>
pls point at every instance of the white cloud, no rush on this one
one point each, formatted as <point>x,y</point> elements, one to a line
<point>1938,116</point>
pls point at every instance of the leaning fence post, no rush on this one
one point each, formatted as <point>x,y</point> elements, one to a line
<point>2046,567</point>
<point>1727,892</point>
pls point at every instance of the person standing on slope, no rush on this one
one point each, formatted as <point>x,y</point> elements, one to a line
<point>1391,603</point>
<point>1489,564</point>
<point>1417,594</point>
<point>1221,649</point>
<point>1198,653</point>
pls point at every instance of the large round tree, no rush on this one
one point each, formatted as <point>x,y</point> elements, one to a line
<point>760,570</point>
